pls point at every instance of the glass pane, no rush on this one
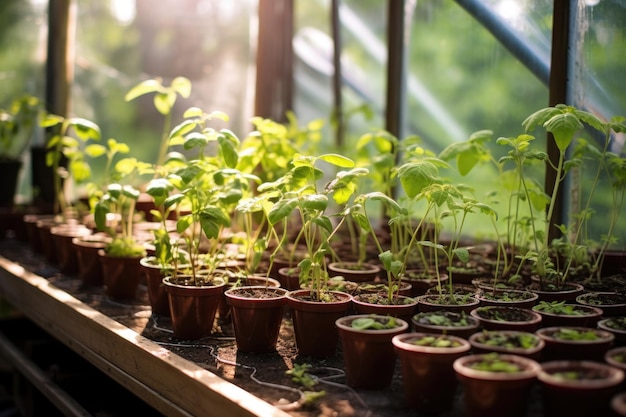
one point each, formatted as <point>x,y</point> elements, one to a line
<point>23,37</point>
<point>471,65</point>
<point>599,45</point>
<point>123,42</point>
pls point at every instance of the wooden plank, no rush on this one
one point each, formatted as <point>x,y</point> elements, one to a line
<point>171,384</point>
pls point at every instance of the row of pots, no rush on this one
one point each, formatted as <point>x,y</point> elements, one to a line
<point>333,321</point>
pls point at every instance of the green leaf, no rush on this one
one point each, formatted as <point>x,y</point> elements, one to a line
<point>211,218</point>
<point>183,223</point>
<point>85,129</point>
<point>131,192</point>
<point>182,86</point>
<point>159,188</point>
<point>462,254</point>
<point>183,128</point>
<point>164,102</point>
<point>363,323</point>
<point>173,200</point>
<point>144,87</point>
<point>539,117</point>
<point>337,160</point>
<point>324,222</point>
<point>415,176</point>
<point>95,150</point>
<point>563,127</point>
<point>228,148</point>
<point>386,258</point>
<point>195,139</point>
<point>50,120</point>
<point>314,202</point>
<point>193,112</point>
<point>282,209</point>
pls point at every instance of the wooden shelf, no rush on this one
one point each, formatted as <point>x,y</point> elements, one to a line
<point>171,384</point>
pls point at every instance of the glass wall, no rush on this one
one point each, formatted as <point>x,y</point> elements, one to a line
<point>123,42</point>
<point>23,39</point>
<point>598,46</point>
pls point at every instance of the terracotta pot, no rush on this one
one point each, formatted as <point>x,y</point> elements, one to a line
<point>511,298</point>
<point>464,324</point>
<point>496,394</point>
<point>353,271</point>
<point>280,262</point>
<point>568,292</point>
<point>314,322</point>
<point>372,287</point>
<point>465,276</point>
<point>192,308</point>
<point>223,311</point>
<point>508,342</point>
<point>589,396</point>
<point>615,325</point>
<point>404,307</point>
<point>89,265</point>
<point>44,226</point>
<point>121,276</point>
<point>257,313</point>
<point>618,404</point>
<point>507,318</point>
<point>428,379</point>
<point>430,302</point>
<point>616,357</point>
<point>30,222</point>
<point>62,237</point>
<point>457,289</point>
<point>368,355</point>
<point>157,296</point>
<point>289,278</point>
<point>612,304</point>
<point>586,316</point>
<point>561,348</point>
<point>487,283</point>
<point>420,284</point>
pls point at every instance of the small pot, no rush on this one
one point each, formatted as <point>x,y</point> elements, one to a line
<point>289,278</point>
<point>611,303</point>
<point>368,355</point>
<point>507,318</point>
<point>420,284</point>
<point>354,271</point>
<point>618,404</point>
<point>404,307</point>
<point>568,292</point>
<point>429,381</point>
<point>223,310</point>
<point>314,322</point>
<point>121,275</point>
<point>87,253</point>
<point>480,343</point>
<point>615,325</point>
<point>62,236</point>
<point>470,327</point>
<point>257,313</point>
<point>371,287</point>
<point>588,317</point>
<point>559,348</point>
<point>496,394</point>
<point>578,397</point>
<point>511,298</point>
<point>616,357</point>
<point>192,308</point>
<point>432,302</point>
